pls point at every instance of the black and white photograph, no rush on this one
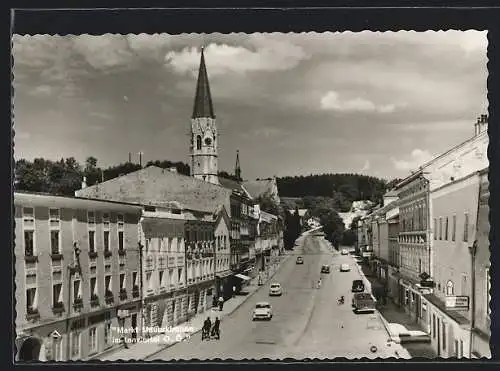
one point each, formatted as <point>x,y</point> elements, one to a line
<point>205,196</point>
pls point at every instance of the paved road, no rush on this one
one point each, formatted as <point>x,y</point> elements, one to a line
<point>307,322</point>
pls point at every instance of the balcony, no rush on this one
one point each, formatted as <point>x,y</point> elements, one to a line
<point>77,303</point>
<point>109,297</point>
<point>207,254</point>
<point>58,307</point>
<point>32,314</point>
<point>171,261</point>
<point>122,252</point>
<point>31,258</point>
<point>94,301</point>
<point>56,255</point>
<point>107,253</point>
<point>123,294</point>
<point>135,292</point>
<point>92,254</point>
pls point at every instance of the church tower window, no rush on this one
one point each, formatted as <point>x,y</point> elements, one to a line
<point>198,142</point>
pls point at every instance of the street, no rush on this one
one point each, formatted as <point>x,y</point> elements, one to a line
<point>307,322</point>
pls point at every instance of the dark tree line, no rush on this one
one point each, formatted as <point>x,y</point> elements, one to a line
<point>65,176</point>
<point>343,188</point>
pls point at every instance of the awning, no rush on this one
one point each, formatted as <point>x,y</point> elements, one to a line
<point>243,277</point>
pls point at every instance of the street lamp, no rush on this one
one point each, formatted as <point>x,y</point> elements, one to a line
<point>473,252</point>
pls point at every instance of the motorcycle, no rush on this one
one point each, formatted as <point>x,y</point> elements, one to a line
<point>341,301</point>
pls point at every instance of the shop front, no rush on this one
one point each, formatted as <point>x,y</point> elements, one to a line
<point>449,326</point>
<point>223,286</point>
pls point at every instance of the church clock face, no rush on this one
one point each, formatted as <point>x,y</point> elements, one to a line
<point>208,141</point>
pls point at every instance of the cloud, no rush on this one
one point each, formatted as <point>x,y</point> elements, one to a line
<point>418,158</point>
<point>265,55</point>
<point>332,101</point>
<point>42,90</point>
<point>366,166</point>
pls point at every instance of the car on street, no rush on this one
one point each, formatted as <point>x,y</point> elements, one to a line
<point>345,267</point>
<point>358,286</point>
<point>363,302</point>
<point>344,252</point>
<point>299,260</point>
<point>275,289</point>
<point>262,311</point>
<point>325,268</point>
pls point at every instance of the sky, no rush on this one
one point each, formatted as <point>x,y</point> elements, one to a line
<point>373,103</point>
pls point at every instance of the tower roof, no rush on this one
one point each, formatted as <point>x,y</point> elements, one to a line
<point>203,106</point>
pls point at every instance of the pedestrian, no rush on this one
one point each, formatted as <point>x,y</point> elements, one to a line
<point>214,301</point>
<point>216,329</point>
<point>206,328</point>
<point>234,291</point>
<point>221,303</point>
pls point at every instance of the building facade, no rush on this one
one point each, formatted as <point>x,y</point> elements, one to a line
<point>200,262</point>
<point>163,268</point>
<point>455,208</point>
<point>222,254</point>
<point>481,283</point>
<point>76,261</point>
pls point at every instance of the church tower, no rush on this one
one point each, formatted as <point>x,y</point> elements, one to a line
<point>204,138</point>
<point>237,167</point>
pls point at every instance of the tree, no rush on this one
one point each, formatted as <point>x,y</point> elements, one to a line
<point>349,237</point>
<point>267,204</point>
<point>333,227</point>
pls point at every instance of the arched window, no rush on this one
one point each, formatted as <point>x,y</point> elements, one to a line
<point>450,289</point>
<point>198,142</point>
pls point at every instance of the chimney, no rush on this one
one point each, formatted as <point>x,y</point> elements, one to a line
<point>84,182</point>
<point>481,125</point>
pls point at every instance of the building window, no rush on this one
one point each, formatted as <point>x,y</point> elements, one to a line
<point>107,286</point>
<point>106,241</point>
<point>419,265</point>
<point>92,241</point>
<point>29,245</point>
<point>454,228</point>
<point>105,221</point>
<point>91,219</point>
<point>54,242</point>
<point>57,299</point>
<point>93,288</point>
<point>198,142</point>
<point>75,344</point>
<point>464,287</point>
<point>466,227</point>
<point>120,241</point>
<point>120,221</point>
<point>77,291</point>
<point>434,326</point>
<point>446,229</point>
<point>28,217</point>
<point>450,289</point>
<point>31,300</point>
<point>435,229</point>
<point>488,294</point>
<point>54,218</point>
<point>93,340</point>
<point>162,274</point>
<point>440,228</point>
<point>107,334</point>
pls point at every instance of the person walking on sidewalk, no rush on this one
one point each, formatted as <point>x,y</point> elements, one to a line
<point>205,333</point>
<point>216,329</point>
<point>221,303</point>
<point>234,291</point>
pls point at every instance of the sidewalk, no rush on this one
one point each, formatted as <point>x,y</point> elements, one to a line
<point>156,344</point>
<point>393,317</point>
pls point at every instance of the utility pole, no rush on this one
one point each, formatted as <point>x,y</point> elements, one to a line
<point>130,157</point>
<point>140,158</point>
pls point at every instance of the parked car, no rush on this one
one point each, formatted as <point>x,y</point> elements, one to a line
<point>345,267</point>
<point>363,302</point>
<point>344,252</point>
<point>275,289</point>
<point>263,310</point>
<point>358,286</point>
<point>299,260</point>
<point>325,269</point>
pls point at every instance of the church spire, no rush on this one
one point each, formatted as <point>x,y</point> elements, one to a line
<point>237,168</point>
<point>203,99</point>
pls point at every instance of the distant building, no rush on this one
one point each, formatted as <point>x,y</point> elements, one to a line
<point>77,267</point>
<point>263,187</point>
<point>222,254</point>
